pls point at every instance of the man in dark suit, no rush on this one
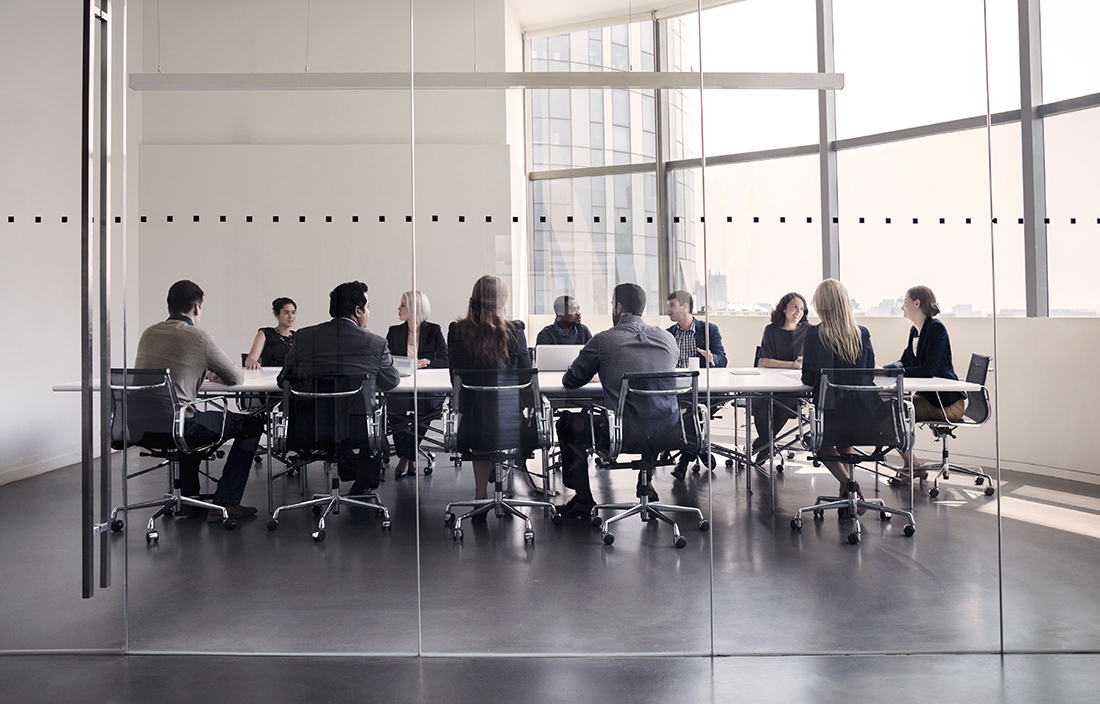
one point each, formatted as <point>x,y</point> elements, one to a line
<point>343,347</point>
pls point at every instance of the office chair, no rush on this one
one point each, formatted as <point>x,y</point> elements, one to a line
<point>146,412</point>
<point>329,420</point>
<point>852,410</point>
<point>977,413</point>
<point>497,415</point>
<point>400,419</point>
<point>691,433</point>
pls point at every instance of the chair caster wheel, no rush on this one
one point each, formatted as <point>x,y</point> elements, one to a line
<point>386,524</point>
<point>117,525</point>
<point>933,492</point>
<point>819,515</point>
<point>883,516</point>
<point>989,491</point>
<point>817,463</point>
<point>608,539</point>
<point>448,517</point>
<point>556,519</point>
<point>790,455</point>
<point>152,537</point>
<point>272,524</point>
<point>853,538</point>
<point>704,526</point>
<point>597,521</point>
<point>428,470</point>
<point>317,510</point>
<point>779,468</point>
<point>946,474</point>
<point>729,463</point>
<point>909,530</point>
<point>258,460</point>
<point>528,536</point>
<point>979,480</point>
<point>319,536</point>
<point>457,534</point>
<point>796,524</point>
<point>229,523</point>
<point>680,542</point>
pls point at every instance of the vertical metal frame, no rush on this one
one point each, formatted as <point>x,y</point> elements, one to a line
<point>95,151</point>
<point>826,115</point>
<point>666,246</point>
<point>1036,282</point>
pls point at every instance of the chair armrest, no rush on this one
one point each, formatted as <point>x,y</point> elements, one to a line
<point>179,424</point>
<point>450,427</point>
<point>808,411</point>
<point>614,432</point>
<point>702,425</point>
<point>908,417</point>
<point>544,423</point>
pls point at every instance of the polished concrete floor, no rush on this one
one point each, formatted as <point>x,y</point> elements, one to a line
<point>891,611</point>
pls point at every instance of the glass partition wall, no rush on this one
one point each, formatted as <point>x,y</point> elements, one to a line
<point>560,189</point>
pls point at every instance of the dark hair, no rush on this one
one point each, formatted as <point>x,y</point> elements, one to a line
<point>183,296</point>
<point>278,303</point>
<point>485,332</point>
<point>561,305</point>
<point>683,298</point>
<point>632,298</point>
<point>779,315</point>
<point>345,297</point>
<point>927,300</point>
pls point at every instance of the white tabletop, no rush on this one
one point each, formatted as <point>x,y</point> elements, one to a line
<point>727,381</point>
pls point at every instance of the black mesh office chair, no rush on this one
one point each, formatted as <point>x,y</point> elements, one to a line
<point>639,395</point>
<point>332,419</point>
<point>499,416</point>
<point>146,412</point>
<point>977,413</point>
<point>851,409</point>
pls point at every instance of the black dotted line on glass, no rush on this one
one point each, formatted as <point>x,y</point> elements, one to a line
<point>542,218</point>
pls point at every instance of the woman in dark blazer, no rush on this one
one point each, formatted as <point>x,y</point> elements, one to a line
<point>485,339</point>
<point>837,342</point>
<point>930,358</point>
<point>425,343</point>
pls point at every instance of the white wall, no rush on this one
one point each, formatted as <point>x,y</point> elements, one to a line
<point>40,162</point>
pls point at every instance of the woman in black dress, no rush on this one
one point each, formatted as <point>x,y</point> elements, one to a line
<point>424,342</point>
<point>485,339</point>
<point>271,344</point>
<point>780,348</point>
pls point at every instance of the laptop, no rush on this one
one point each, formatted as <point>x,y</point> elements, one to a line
<point>555,358</point>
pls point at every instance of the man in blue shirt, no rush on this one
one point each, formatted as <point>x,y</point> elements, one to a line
<point>629,346</point>
<point>567,329</point>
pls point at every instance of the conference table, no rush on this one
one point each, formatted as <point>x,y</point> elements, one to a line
<point>722,384</point>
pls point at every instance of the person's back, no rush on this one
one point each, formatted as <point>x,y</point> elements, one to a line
<point>188,352</point>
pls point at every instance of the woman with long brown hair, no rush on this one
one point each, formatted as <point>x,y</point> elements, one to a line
<point>837,342</point>
<point>485,339</point>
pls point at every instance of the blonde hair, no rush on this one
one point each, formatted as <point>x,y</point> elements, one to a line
<point>423,307</point>
<point>838,329</point>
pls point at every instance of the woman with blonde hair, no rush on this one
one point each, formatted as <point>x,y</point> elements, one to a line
<point>837,342</point>
<point>485,339</point>
<point>417,338</point>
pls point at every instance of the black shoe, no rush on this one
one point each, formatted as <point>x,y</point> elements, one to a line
<point>189,511</point>
<point>235,511</point>
<point>651,493</point>
<point>681,470</point>
<point>480,518</point>
<point>759,443</point>
<point>577,507</point>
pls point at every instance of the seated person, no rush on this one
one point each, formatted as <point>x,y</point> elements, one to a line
<point>190,353</point>
<point>932,358</point>
<point>691,333</point>
<point>485,339</point>
<point>423,342</point>
<point>837,342</point>
<point>567,329</point>
<point>780,348</point>
<point>344,347</point>
<point>629,346</point>
<point>271,344</point>
<point>691,341</point>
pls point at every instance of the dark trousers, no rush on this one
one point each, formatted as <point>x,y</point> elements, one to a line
<point>575,440</point>
<point>204,427</point>
<point>782,411</point>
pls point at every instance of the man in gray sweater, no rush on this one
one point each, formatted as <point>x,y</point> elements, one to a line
<point>190,353</point>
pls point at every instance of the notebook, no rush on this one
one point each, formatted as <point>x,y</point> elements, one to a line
<point>404,365</point>
<point>555,358</point>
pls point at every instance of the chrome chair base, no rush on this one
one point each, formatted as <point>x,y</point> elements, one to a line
<point>853,503</point>
<point>499,504</point>
<point>645,510</point>
<point>324,505</point>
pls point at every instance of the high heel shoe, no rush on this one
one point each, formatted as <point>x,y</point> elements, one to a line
<point>903,478</point>
<point>405,469</point>
<point>860,510</point>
